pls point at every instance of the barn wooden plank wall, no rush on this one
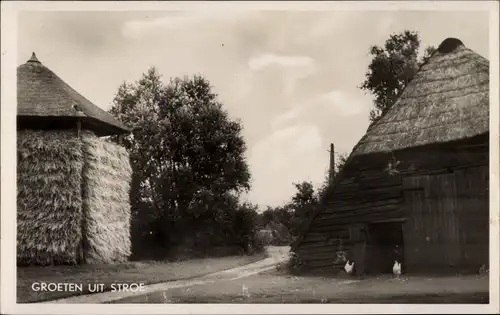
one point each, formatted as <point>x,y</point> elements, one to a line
<point>473,205</point>
<point>441,192</point>
<point>432,230</point>
<point>447,219</point>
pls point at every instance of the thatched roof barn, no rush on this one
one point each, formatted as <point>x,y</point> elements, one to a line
<point>73,187</point>
<point>415,187</point>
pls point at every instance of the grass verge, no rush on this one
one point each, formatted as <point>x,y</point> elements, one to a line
<point>269,288</point>
<point>445,298</point>
<point>147,272</point>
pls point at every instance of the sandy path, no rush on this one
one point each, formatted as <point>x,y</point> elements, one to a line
<point>276,255</point>
<point>276,288</point>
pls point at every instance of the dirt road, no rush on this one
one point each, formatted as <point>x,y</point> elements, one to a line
<point>271,288</point>
<point>275,255</point>
<point>260,283</point>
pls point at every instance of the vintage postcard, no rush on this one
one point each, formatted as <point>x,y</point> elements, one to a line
<point>250,157</point>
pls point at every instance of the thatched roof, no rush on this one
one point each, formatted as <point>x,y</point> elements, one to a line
<point>447,100</point>
<point>41,94</point>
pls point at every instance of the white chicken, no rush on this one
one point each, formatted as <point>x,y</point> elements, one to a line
<point>245,292</point>
<point>349,267</point>
<point>396,269</point>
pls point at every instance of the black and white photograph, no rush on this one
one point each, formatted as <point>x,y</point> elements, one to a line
<point>228,154</point>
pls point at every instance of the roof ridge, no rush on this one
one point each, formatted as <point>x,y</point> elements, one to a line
<point>34,59</point>
<point>449,45</point>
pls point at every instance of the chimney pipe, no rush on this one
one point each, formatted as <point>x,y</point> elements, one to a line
<point>331,175</point>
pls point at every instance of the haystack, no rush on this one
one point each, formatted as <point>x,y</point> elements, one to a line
<point>107,174</point>
<point>49,199</point>
<point>73,186</point>
<point>418,178</point>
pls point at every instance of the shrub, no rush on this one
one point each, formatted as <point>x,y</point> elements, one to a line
<point>245,228</point>
<point>292,266</point>
<point>224,226</point>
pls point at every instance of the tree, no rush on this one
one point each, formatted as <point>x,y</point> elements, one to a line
<point>391,69</point>
<point>324,189</point>
<point>304,202</point>
<point>186,153</point>
<point>304,194</point>
<point>244,227</point>
<point>279,220</point>
<point>266,216</point>
<point>286,220</point>
<point>340,162</point>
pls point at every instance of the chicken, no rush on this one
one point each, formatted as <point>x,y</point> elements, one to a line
<point>396,269</point>
<point>349,267</point>
<point>245,292</point>
<point>483,269</point>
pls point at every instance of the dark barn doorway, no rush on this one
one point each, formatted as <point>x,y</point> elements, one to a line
<point>385,246</point>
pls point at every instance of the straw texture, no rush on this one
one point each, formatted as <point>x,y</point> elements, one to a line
<point>41,93</point>
<point>448,99</point>
<point>107,175</point>
<point>49,202</point>
<point>64,184</point>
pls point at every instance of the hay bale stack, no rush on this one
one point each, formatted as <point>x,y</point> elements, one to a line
<point>73,188</point>
<point>49,200</point>
<point>106,175</point>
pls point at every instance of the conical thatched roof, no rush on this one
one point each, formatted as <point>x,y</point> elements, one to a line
<point>41,94</point>
<point>448,99</point>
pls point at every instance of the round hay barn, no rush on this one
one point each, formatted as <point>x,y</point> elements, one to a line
<point>72,185</point>
<point>415,187</point>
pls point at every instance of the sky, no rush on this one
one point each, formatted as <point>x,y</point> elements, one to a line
<point>291,77</point>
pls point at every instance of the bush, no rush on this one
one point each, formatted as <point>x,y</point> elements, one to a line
<point>281,234</point>
<point>245,229</point>
<point>215,226</point>
<point>265,237</point>
<point>292,266</point>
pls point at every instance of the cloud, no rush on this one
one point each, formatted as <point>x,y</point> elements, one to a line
<point>294,68</point>
<point>334,22</point>
<point>335,103</point>
<point>181,20</point>
<point>341,103</point>
<point>286,117</point>
<point>265,60</point>
<point>277,147</point>
<point>294,71</point>
<point>282,158</point>
<point>301,138</point>
<point>330,22</point>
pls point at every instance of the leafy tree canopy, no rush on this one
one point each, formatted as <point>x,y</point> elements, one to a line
<point>392,67</point>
